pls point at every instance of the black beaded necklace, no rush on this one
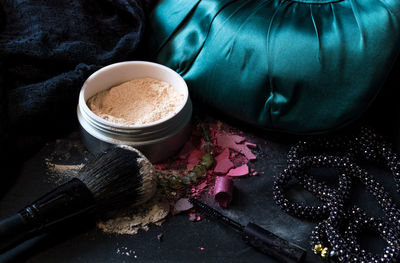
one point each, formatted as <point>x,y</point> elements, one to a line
<point>327,239</point>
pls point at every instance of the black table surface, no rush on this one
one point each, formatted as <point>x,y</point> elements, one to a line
<point>182,239</point>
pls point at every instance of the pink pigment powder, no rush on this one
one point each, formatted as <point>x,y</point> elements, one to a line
<point>138,101</point>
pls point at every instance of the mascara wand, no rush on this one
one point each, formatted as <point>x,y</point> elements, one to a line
<point>257,237</point>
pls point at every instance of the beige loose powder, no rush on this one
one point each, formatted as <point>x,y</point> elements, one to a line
<point>138,101</point>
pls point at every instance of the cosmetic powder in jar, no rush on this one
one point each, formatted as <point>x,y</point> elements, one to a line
<point>137,103</point>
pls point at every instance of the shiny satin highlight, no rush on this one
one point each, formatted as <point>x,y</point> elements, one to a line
<point>304,66</point>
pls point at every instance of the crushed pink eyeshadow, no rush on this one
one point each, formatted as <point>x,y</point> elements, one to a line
<point>182,205</point>
<point>232,154</point>
<point>251,145</point>
<point>223,163</point>
<point>226,140</point>
<point>238,139</point>
<point>239,171</point>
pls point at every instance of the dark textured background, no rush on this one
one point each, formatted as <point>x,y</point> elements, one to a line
<point>46,53</point>
<point>47,50</point>
<point>82,242</point>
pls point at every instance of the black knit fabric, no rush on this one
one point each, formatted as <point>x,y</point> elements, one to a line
<point>47,50</point>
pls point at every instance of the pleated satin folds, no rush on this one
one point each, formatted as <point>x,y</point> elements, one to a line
<point>304,66</point>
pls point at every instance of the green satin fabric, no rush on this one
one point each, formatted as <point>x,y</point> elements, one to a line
<point>302,66</point>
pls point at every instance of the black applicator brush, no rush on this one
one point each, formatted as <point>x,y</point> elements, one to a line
<point>118,177</point>
<point>257,237</point>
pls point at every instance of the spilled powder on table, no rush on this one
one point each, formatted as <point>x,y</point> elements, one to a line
<point>130,220</point>
<point>234,149</point>
<point>125,251</point>
<point>61,172</point>
<point>65,160</point>
<point>125,221</point>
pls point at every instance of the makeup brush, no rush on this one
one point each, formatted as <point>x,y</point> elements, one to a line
<point>257,237</point>
<point>118,177</point>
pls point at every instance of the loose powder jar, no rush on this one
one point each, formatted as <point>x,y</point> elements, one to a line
<point>136,103</point>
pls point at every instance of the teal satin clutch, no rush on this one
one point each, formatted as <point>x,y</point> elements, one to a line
<point>304,66</point>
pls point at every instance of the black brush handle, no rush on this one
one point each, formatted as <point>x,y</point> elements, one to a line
<point>68,200</point>
<point>272,245</point>
<point>13,230</point>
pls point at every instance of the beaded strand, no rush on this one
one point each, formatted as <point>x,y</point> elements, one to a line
<point>326,239</point>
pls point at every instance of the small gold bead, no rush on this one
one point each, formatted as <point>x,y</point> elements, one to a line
<point>317,249</point>
<point>324,252</point>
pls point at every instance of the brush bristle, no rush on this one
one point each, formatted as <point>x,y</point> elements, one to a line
<point>120,176</point>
